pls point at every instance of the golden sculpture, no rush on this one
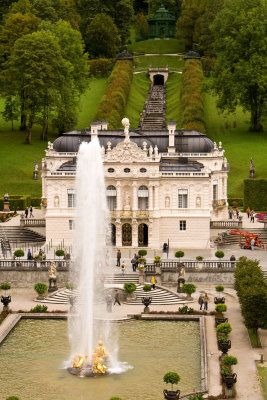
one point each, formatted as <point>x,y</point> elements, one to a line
<point>99,367</point>
<point>79,362</point>
<point>99,354</point>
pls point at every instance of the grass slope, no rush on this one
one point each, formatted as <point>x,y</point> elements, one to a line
<point>263,379</point>
<point>142,63</point>
<point>17,158</point>
<point>138,93</point>
<point>239,143</point>
<point>159,46</point>
<point>173,98</point>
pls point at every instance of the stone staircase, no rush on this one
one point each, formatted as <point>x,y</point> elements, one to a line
<point>159,296</point>
<point>226,239</point>
<point>153,116</point>
<point>16,234</point>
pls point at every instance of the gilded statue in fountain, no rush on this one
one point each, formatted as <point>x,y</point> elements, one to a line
<point>80,362</point>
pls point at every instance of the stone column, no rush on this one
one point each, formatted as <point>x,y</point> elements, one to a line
<point>135,197</point>
<point>118,188</point>
<point>150,198</point>
<point>134,233</point>
<point>118,234</point>
<point>156,191</point>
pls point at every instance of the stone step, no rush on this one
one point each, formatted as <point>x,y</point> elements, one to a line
<point>17,234</point>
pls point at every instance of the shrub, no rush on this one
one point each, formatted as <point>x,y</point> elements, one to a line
<point>71,286</point>
<point>171,377</point>
<point>186,310</point>
<point>101,67</point>
<point>156,259</point>
<point>226,370</point>
<point>188,288</point>
<point>40,288</point>
<point>142,253</point>
<point>38,308</point>
<point>224,328</point>
<point>129,287</point>
<point>147,288</point>
<point>199,258</point>
<point>222,339</point>
<point>196,397</point>
<point>255,194</point>
<point>12,398</point>
<point>229,361</point>
<point>219,288</point>
<point>5,286</point>
<point>60,253</point>
<point>179,254</point>
<point>19,253</point>
<point>220,308</point>
<point>115,398</point>
<point>219,254</point>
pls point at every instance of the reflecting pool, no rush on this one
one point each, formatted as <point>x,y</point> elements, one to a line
<point>32,357</point>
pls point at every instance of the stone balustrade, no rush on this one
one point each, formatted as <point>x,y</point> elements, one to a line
<point>33,264</point>
<point>25,222</point>
<point>228,224</point>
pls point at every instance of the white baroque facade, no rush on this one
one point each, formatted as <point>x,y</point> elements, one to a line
<point>160,186</point>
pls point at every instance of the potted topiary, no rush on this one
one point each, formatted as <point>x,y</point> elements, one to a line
<point>200,262</point>
<point>173,378</point>
<point>142,254</point>
<point>224,344</point>
<point>220,300</point>
<point>219,254</point>
<point>18,253</point>
<point>5,299</point>
<point>146,300</point>
<point>157,264</point>
<point>220,309</point>
<point>179,254</point>
<point>129,288</point>
<point>189,288</point>
<point>227,376</point>
<point>224,328</point>
<point>60,253</point>
<point>41,289</point>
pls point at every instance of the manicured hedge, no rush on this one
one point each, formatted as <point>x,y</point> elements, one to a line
<point>236,202</point>
<point>20,202</point>
<point>113,103</point>
<point>192,97</point>
<point>101,67</point>
<point>255,194</point>
<point>251,289</point>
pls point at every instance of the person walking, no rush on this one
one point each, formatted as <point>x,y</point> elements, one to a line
<point>153,282</point>
<point>248,212</point>
<point>118,258</point>
<point>206,301</point>
<point>116,298</point>
<point>31,214</point>
<point>133,262</point>
<point>26,212</point>
<point>201,301</point>
<point>29,255</point>
<point>123,267</point>
<point>252,244</point>
<point>230,213</point>
<point>237,213</point>
<point>252,216</point>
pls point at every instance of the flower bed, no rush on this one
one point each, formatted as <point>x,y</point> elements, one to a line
<point>4,217</point>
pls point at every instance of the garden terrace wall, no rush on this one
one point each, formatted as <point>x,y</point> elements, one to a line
<point>113,103</point>
<point>255,194</point>
<point>192,97</point>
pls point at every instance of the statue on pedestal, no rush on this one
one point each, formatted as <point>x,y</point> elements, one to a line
<point>52,277</point>
<point>251,169</point>
<point>35,172</point>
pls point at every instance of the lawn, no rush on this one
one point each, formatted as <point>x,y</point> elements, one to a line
<point>17,158</point>
<point>174,63</point>
<point>158,46</point>
<point>138,93</point>
<point>263,379</point>
<point>173,98</point>
<point>239,143</point>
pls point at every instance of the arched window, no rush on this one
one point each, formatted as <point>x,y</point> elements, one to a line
<point>111,194</point>
<point>143,198</point>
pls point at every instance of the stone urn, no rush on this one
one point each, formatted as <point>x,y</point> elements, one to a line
<point>219,300</point>
<point>219,321</point>
<point>146,301</point>
<point>171,394</point>
<point>5,300</point>
<point>229,380</point>
<point>224,347</point>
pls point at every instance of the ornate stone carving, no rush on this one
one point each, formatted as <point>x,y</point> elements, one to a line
<point>126,151</point>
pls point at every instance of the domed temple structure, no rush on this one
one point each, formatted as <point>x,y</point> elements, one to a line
<point>160,185</point>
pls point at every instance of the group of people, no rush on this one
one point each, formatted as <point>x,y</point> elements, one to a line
<point>203,300</point>
<point>233,213</point>
<point>27,211</point>
<point>250,214</point>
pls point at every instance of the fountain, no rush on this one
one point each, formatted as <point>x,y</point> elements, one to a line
<point>90,250</point>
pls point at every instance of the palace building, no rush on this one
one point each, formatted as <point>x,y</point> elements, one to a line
<point>160,185</point>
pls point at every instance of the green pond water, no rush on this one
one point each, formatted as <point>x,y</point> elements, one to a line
<point>31,362</point>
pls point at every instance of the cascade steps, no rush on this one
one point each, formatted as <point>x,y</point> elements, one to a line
<point>229,239</point>
<point>20,235</point>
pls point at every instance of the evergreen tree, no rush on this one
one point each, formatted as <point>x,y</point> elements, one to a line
<point>141,27</point>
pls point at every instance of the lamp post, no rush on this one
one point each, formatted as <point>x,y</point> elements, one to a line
<point>6,203</point>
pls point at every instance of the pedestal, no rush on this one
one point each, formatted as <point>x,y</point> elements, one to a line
<point>6,207</point>
<point>35,176</point>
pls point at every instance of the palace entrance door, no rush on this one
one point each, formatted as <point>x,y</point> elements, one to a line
<point>126,235</point>
<point>142,235</point>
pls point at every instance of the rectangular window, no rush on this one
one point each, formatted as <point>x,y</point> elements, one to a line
<point>112,203</point>
<point>71,198</point>
<point>182,198</point>
<point>142,203</point>
<point>71,224</point>
<point>215,192</point>
<point>182,225</point>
